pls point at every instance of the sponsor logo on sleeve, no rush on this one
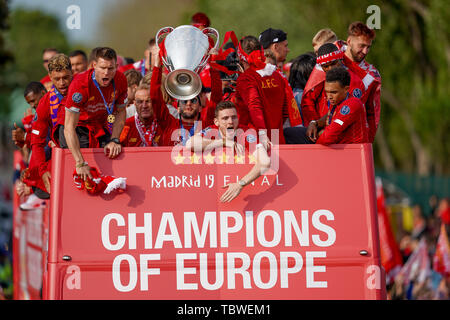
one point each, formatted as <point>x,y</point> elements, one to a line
<point>357,93</point>
<point>345,110</point>
<point>77,97</point>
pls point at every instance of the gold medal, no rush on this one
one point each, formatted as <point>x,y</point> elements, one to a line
<point>111,118</point>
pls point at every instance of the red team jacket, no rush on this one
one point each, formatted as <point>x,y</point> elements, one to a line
<point>262,102</point>
<point>138,66</point>
<point>314,100</point>
<point>348,124</point>
<point>131,137</point>
<point>85,99</point>
<point>42,126</point>
<point>169,123</point>
<point>372,86</point>
<point>295,118</point>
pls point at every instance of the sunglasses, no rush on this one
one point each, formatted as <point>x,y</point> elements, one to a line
<point>193,101</point>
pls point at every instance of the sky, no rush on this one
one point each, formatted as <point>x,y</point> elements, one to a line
<point>90,12</point>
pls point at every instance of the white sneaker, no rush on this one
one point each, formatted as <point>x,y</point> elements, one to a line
<point>33,202</point>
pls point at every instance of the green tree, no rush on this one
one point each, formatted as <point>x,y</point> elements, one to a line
<point>6,56</point>
<point>411,51</point>
<point>31,31</point>
<point>127,26</point>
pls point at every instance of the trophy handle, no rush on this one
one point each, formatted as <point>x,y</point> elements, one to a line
<point>212,32</point>
<point>208,32</point>
<point>160,37</point>
<point>162,32</point>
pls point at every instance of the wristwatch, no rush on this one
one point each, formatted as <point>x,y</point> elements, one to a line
<point>115,140</point>
<point>242,183</point>
<point>314,121</point>
<point>80,165</point>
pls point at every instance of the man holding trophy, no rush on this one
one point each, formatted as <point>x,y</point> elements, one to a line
<point>184,52</point>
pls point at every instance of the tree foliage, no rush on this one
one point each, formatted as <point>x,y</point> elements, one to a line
<point>411,51</point>
<point>127,26</point>
<point>31,31</point>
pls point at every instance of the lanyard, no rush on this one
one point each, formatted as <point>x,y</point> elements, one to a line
<point>183,130</point>
<point>55,100</point>
<point>149,134</point>
<point>143,67</point>
<point>333,109</point>
<point>60,96</point>
<point>109,108</point>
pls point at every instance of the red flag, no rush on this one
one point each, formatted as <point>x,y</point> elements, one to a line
<point>441,259</point>
<point>418,264</point>
<point>391,258</point>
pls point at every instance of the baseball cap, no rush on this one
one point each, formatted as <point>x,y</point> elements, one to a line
<point>269,36</point>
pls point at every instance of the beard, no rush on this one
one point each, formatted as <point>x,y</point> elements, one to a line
<point>356,57</point>
<point>189,116</point>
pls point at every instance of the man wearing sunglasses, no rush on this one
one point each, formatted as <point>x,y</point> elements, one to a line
<point>191,115</point>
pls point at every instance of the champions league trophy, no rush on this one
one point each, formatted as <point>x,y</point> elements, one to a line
<point>185,52</point>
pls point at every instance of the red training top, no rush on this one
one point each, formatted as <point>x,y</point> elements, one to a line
<point>261,101</point>
<point>348,124</point>
<point>84,98</point>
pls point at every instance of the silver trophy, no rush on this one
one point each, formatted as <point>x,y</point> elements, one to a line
<point>186,54</point>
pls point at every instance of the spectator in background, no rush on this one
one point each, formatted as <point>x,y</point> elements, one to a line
<point>33,93</point>
<point>144,65</point>
<point>229,80</point>
<point>134,77</point>
<point>323,36</point>
<point>443,211</point>
<point>419,222</point>
<point>79,61</point>
<point>200,20</point>
<point>92,56</point>
<point>299,73</point>
<point>47,54</point>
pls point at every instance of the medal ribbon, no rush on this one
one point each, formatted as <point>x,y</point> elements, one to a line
<point>143,67</point>
<point>330,113</point>
<point>146,135</point>
<point>109,108</point>
<point>183,131</point>
<point>55,100</point>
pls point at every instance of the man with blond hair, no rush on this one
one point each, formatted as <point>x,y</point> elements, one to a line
<point>47,54</point>
<point>134,78</point>
<point>359,42</point>
<point>323,36</point>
